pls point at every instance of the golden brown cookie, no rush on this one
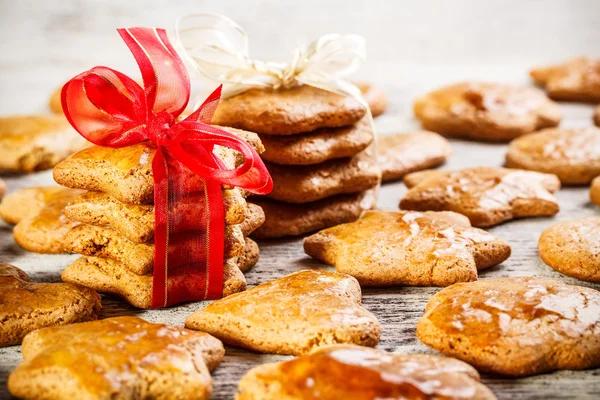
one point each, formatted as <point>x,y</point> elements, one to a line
<point>287,111</point>
<point>136,221</point>
<point>116,358</point>
<point>515,326</point>
<point>317,146</point>
<point>354,372</point>
<point>577,79</point>
<point>36,142</point>
<point>26,306</point>
<point>402,153</point>
<point>255,217</point>
<point>571,154</point>
<point>55,102</point>
<point>45,231</point>
<point>111,277</point>
<point>250,257</point>
<point>126,172</point>
<point>597,116</point>
<point>2,191</point>
<point>595,191</point>
<point>375,97</point>
<point>573,248</point>
<point>488,196</point>
<point>387,248</point>
<point>104,242</point>
<point>283,219</point>
<point>304,184</point>
<point>25,203</point>
<point>486,111</point>
<point>291,315</point>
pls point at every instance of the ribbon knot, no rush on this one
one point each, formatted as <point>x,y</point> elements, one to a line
<point>109,108</point>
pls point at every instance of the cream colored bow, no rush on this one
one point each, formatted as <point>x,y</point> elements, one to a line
<point>218,48</point>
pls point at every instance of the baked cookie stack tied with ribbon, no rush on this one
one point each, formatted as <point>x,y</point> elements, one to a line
<point>164,219</point>
<point>316,128</point>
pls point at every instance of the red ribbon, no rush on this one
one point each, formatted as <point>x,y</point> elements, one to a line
<point>110,109</point>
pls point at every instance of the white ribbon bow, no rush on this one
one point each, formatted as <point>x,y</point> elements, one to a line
<point>218,48</point>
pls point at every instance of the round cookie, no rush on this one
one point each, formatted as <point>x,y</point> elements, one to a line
<point>595,191</point>
<point>375,97</point>
<point>2,190</point>
<point>516,326</point>
<point>287,111</point>
<point>573,248</point>
<point>577,79</point>
<point>597,116</point>
<point>402,153</point>
<point>486,111</point>
<point>317,146</point>
<point>571,154</point>
<point>25,203</point>
<point>55,102</point>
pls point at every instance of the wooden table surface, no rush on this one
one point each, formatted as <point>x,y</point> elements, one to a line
<point>413,47</point>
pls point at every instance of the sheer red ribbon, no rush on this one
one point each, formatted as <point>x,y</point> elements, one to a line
<point>110,109</point>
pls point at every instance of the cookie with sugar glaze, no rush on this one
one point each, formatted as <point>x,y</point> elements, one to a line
<point>291,315</point>
<point>388,248</point>
<point>571,154</point>
<point>116,358</point>
<point>287,111</point>
<point>515,326</point>
<point>486,111</point>
<point>487,195</point>
<point>26,306</point>
<point>25,203</point>
<point>347,371</point>
<point>577,79</point>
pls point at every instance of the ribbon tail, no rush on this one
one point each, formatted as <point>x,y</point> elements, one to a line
<point>189,234</point>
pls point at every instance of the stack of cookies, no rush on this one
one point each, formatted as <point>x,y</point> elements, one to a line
<point>115,221</point>
<point>316,149</point>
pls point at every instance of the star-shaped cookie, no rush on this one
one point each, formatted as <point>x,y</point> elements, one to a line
<point>291,315</point>
<point>355,372</point>
<point>385,248</point>
<point>26,306</point>
<point>487,195</point>
<point>116,358</point>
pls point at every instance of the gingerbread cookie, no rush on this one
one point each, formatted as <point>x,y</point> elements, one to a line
<point>291,315</point>
<point>386,248</point>
<point>571,154</point>
<point>55,102</point>
<point>255,217</point>
<point>100,241</point>
<point>36,142</point>
<point>597,116</point>
<point>595,191</point>
<point>402,153</point>
<point>26,306</point>
<point>250,257</point>
<point>28,202</point>
<point>574,80</point>
<point>116,358</point>
<point>354,372</point>
<point>572,248</point>
<point>111,277</point>
<point>288,111</point>
<point>486,111</point>
<point>515,326</point>
<point>126,172</point>
<point>136,222</point>
<point>282,219</point>
<point>375,97</point>
<point>45,232</point>
<point>318,146</point>
<point>304,184</point>
<point>2,191</point>
<point>488,196</point>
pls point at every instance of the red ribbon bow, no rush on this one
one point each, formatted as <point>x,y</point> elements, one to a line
<point>110,109</point>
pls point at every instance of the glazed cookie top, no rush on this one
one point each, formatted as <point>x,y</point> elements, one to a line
<point>577,79</point>
<point>288,111</point>
<point>515,326</point>
<point>21,129</point>
<point>486,111</point>
<point>347,371</point>
<point>119,354</point>
<point>486,195</point>
<point>572,154</point>
<point>413,246</point>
